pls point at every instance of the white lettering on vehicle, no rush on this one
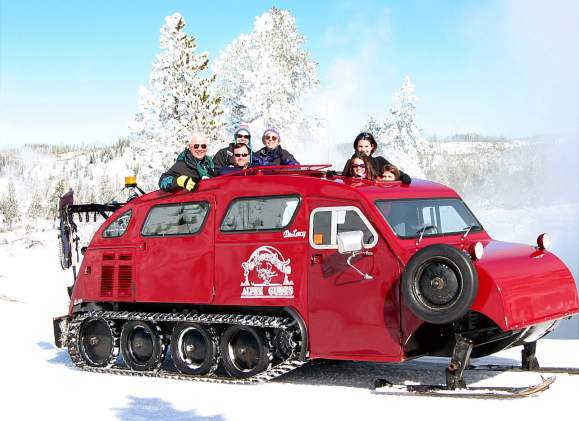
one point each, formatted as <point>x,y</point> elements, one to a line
<point>294,234</point>
<point>266,275</point>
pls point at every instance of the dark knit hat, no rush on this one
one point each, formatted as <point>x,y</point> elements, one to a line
<point>273,130</point>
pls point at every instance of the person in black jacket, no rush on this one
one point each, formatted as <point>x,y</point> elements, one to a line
<point>241,154</point>
<point>191,166</point>
<point>366,143</point>
<point>272,153</point>
<point>224,157</point>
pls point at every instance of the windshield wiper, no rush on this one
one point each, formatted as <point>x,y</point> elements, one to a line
<point>467,229</point>
<point>422,230</point>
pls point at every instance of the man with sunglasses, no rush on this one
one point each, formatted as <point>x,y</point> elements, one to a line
<point>224,157</point>
<point>191,166</point>
<point>241,154</point>
<point>272,153</point>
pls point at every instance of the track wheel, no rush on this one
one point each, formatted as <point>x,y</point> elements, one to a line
<point>244,350</point>
<point>142,346</point>
<point>194,348</point>
<point>98,344</point>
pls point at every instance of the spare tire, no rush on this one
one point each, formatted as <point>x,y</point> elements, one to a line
<point>439,284</point>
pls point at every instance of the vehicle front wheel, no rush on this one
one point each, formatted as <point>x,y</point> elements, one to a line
<point>439,284</point>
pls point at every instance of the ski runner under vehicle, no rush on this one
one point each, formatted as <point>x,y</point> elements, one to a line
<point>262,270</point>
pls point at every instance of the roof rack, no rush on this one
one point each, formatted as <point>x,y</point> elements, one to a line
<point>281,169</point>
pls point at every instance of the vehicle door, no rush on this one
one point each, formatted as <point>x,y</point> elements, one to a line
<point>176,251</point>
<point>260,249</point>
<point>349,316</point>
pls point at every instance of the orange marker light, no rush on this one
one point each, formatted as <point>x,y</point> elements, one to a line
<point>130,181</point>
<point>318,239</point>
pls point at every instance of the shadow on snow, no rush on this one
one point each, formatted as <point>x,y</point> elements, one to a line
<point>159,410</point>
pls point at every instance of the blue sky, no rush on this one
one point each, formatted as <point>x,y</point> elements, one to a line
<point>70,70</point>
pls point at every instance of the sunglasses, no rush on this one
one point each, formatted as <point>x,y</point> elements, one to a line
<point>238,155</point>
<point>270,137</point>
<point>199,146</point>
<point>358,165</point>
<point>243,136</point>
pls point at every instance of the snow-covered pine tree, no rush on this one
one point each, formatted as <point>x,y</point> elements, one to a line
<point>263,76</point>
<point>57,192</point>
<point>10,207</point>
<point>35,209</point>
<point>400,139</point>
<point>177,102</point>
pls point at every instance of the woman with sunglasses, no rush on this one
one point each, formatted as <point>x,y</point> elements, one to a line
<point>366,144</point>
<point>360,166</point>
<point>224,157</point>
<point>191,166</point>
<point>272,153</point>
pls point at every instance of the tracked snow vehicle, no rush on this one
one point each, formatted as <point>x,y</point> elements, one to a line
<point>261,270</point>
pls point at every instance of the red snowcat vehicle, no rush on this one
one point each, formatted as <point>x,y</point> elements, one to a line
<point>260,271</point>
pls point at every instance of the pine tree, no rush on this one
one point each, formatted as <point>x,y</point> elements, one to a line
<point>177,102</point>
<point>400,138</point>
<point>57,192</point>
<point>10,207</point>
<point>263,76</point>
<point>35,209</point>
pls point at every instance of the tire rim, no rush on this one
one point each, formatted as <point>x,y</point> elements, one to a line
<point>192,347</point>
<point>244,351</point>
<point>96,342</point>
<point>141,345</point>
<point>438,283</point>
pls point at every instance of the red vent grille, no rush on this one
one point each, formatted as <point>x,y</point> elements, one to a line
<point>126,257</point>
<point>125,281</point>
<point>108,257</point>
<point>107,279</point>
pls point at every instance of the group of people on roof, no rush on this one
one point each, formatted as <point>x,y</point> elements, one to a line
<point>193,164</point>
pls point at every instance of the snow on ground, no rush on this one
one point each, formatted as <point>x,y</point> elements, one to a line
<point>39,381</point>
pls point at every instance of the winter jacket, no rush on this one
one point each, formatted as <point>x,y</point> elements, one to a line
<point>232,168</point>
<point>379,162</point>
<point>277,156</point>
<point>186,164</point>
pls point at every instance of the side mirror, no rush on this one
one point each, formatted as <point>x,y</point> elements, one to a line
<point>350,241</point>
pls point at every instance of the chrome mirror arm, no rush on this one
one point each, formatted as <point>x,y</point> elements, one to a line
<point>358,253</point>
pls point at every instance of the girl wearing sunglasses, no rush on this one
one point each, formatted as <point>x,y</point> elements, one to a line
<point>366,144</point>
<point>360,166</point>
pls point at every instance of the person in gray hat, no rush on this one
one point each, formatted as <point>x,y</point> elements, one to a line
<point>224,157</point>
<point>272,153</point>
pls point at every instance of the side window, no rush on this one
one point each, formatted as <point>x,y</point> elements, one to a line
<point>118,226</point>
<point>175,219</point>
<point>327,223</point>
<point>260,213</point>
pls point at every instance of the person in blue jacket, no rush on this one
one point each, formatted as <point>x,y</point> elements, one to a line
<point>272,153</point>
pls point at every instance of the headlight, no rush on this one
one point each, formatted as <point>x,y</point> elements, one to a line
<point>476,251</point>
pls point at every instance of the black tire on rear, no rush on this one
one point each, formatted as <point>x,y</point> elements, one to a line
<point>194,348</point>
<point>245,351</point>
<point>142,346</point>
<point>439,284</point>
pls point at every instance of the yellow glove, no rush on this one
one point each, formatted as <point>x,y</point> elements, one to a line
<point>186,182</point>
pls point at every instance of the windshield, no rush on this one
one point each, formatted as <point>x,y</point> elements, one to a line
<point>428,217</point>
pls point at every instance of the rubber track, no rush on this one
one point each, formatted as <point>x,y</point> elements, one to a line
<point>291,363</point>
